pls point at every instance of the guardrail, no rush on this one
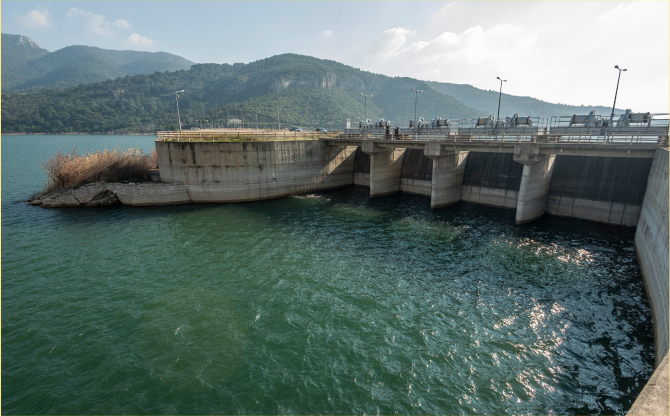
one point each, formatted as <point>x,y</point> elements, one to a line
<point>241,136</point>
<point>657,134</point>
<point>653,122</point>
<point>508,123</point>
<point>501,136</point>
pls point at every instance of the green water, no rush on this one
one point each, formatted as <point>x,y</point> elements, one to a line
<point>324,303</point>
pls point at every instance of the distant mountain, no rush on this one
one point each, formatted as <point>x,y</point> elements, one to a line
<point>292,89</point>
<point>487,101</point>
<point>26,66</point>
<point>16,52</point>
<point>289,89</point>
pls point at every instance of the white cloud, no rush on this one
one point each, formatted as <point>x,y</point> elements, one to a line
<point>556,51</point>
<point>99,24</point>
<point>36,19</point>
<point>475,50</point>
<point>327,32</point>
<point>136,39</point>
<point>389,44</point>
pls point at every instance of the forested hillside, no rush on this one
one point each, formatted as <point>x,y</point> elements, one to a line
<point>290,89</point>
<point>27,67</point>
<point>487,101</point>
<point>282,90</point>
<point>16,52</point>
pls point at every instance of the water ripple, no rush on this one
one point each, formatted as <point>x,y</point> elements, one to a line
<point>325,303</point>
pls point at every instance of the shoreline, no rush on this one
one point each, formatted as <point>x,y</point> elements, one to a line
<point>146,193</point>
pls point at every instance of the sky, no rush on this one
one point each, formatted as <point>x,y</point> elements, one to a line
<point>561,52</point>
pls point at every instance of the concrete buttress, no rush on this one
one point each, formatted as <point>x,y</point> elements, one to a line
<point>535,181</point>
<point>385,168</point>
<point>447,181</point>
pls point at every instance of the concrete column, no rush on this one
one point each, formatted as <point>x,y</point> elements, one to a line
<point>448,169</point>
<point>385,168</point>
<point>535,180</point>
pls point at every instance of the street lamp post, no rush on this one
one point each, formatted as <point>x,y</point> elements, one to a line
<point>176,93</point>
<point>416,99</point>
<point>366,105</point>
<point>615,93</point>
<point>499,98</point>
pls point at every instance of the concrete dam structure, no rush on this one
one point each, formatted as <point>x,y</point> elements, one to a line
<point>621,184</point>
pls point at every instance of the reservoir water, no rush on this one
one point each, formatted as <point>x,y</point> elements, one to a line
<point>323,303</point>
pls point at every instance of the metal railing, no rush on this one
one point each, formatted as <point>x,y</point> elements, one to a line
<point>506,136</point>
<point>508,123</point>
<point>635,128</point>
<point>241,136</point>
<point>595,120</point>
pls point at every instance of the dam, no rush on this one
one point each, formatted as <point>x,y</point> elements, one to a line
<point>618,183</point>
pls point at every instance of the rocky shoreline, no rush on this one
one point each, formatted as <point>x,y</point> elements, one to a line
<point>112,193</point>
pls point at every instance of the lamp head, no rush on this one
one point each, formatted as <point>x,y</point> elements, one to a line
<point>180,91</point>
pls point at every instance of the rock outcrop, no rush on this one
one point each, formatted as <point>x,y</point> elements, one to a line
<point>106,193</point>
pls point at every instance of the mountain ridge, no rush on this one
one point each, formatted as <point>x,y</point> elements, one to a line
<point>282,89</point>
<point>487,100</point>
<point>27,67</point>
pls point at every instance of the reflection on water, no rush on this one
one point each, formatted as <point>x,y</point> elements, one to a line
<point>324,303</point>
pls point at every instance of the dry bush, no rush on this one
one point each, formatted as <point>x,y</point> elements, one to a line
<point>70,170</point>
<point>153,159</point>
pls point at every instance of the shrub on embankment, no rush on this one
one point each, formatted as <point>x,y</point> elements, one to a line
<point>65,171</point>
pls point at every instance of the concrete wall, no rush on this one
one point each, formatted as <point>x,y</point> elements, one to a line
<point>249,171</point>
<point>603,189</point>
<point>504,198</point>
<point>651,245</point>
<point>654,400</point>
<point>361,168</point>
<point>492,179</point>
<point>417,173</point>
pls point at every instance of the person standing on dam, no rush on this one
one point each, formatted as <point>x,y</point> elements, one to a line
<point>388,133</point>
<point>397,133</point>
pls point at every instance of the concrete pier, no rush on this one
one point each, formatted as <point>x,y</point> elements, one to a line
<point>254,171</point>
<point>448,169</point>
<point>385,169</point>
<point>535,180</point>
